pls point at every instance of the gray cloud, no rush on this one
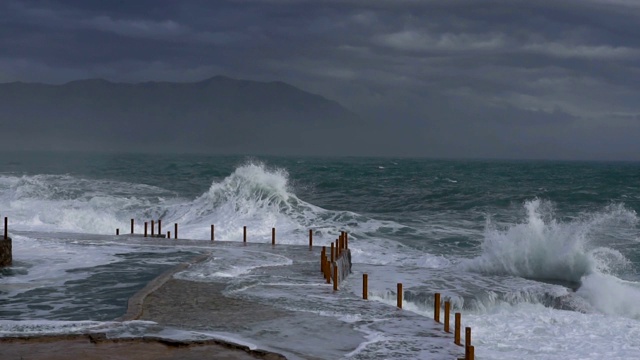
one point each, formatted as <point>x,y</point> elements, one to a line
<point>493,78</point>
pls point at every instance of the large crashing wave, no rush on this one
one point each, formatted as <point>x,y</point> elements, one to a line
<point>574,251</point>
<point>254,195</point>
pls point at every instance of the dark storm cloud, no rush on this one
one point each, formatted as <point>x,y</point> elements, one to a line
<point>457,78</point>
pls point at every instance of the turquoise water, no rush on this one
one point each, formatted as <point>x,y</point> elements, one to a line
<point>524,239</point>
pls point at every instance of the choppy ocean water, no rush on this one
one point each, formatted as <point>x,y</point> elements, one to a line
<point>542,258</point>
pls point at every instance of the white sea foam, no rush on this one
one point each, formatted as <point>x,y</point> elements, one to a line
<point>532,331</point>
<point>546,249</point>
<point>44,263</point>
<point>254,196</point>
<point>231,263</point>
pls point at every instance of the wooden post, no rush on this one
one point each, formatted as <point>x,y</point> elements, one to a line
<point>399,295</point>
<point>145,229</point>
<point>346,240</point>
<point>159,226</point>
<point>6,249</point>
<point>175,231</point>
<point>244,234</point>
<point>467,343</point>
<point>273,236</point>
<point>153,228</point>
<point>456,333</point>
<point>6,228</point>
<point>212,236</point>
<point>132,226</point>
<point>168,234</point>
<point>324,255</point>
<point>365,286</point>
<point>333,258</point>
<point>467,337</point>
<point>323,260</point>
<point>327,270</point>
<point>310,239</point>
<point>436,308</point>
<point>469,353</point>
<point>337,249</point>
<point>447,312</point>
<point>335,277</point>
<point>117,231</point>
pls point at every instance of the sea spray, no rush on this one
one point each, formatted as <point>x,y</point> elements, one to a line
<point>544,248</point>
<point>566,253</point>
<point>253,194</point>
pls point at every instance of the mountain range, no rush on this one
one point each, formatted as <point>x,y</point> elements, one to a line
<point>217,115</point>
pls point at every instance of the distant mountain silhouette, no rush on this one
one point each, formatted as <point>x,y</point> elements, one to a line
<point>217,115</point>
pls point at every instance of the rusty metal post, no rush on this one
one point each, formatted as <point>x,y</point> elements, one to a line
<point>467,343</point>
<point>327,271</point>
<point>467,336</point>
<point>6,246</point>
<point>333,255</point>
<point>436,308</point>
<point>456,333</point>
<point>335,277</point>
<point>447,312</point>
<point>365,286</point>
<point>399,297</point>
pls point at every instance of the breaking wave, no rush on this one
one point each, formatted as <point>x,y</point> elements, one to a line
<point>572,253</point>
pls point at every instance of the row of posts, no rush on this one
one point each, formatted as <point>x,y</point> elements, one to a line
<point>468,348</point>
<point>175,233</point>
<point>329,262</point>
<point>153,229</point>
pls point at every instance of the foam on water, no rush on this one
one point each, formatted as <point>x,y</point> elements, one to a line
<point>254,195</point>
<point>225,264</point>
<point>574,252</point>
<point>532,331</point>
<point>68,203</point>
<point>46,327</point>
<point>45,263</point>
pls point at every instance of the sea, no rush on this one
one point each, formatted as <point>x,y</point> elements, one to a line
<point>542,258</point>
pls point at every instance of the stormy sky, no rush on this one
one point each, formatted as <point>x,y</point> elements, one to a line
<point>450,78</point>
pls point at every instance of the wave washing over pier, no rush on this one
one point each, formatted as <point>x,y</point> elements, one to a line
<point>535,255</point>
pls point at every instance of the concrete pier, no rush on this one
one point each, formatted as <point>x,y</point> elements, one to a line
<point>6,257</point>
